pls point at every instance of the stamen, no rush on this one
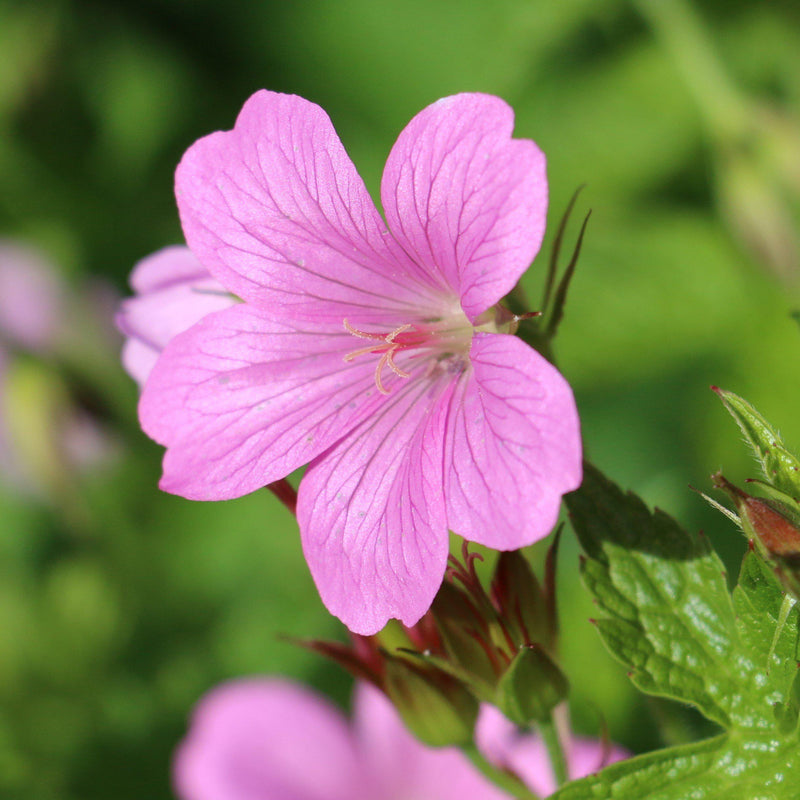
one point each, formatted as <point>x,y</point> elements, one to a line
<point>363,334</point>
<point>387,348</point>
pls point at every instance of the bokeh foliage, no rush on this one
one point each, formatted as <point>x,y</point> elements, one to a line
<point>120,605</point>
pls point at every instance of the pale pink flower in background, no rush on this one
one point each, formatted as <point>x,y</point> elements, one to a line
<point>269,739</point>
<point>173,291</point>
<point>45,434</point>
<point>375,353</point>
<point>525,754</point>
<point>31,297</point>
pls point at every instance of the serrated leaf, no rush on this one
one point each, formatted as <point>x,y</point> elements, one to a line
<point>758,766</point>
<point>780,467</point>
<point>670,618</point>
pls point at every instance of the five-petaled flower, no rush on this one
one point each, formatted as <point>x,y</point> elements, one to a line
<point>373,350</point>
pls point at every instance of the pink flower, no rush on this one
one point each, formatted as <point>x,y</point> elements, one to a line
<point>375,354</point>
<point>268,739</point>
<point>174,291</point>
<point>525,755</point>
<point>31,298</point>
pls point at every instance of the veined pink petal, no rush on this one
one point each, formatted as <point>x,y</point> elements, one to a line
<point>466,200</point>
<point>260,739</point>
<point>403,767</point>
<point>370,512</point>
<point>241,400</point>
<point>174,292</point>
<point>513,445</point>
<point>277,212</point>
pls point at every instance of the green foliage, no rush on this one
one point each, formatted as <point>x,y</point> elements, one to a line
<point>780,467</point>
<point>668,616</point>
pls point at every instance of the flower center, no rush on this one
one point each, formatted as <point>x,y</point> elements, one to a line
<point>404,337</point>
<point>446,338</point>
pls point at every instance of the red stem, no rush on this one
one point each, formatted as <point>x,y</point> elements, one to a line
<point>286,493</point>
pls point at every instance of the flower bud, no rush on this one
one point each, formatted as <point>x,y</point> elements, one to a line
<point>773,528</point>
<point>531,687</point>
<point>465,632</point>
<point>435,707</point>
<point>518,598</point>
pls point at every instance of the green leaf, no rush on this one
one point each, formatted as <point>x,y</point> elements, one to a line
<point>668,616</point>
<point>780,467</point>
<point>734,766</point>
<point>770,642</point>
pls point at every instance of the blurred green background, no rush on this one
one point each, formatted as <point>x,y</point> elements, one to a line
<point>120,605</point>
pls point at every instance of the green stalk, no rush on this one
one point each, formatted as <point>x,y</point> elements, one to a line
<point>555,751</point>
<point>499,777</point>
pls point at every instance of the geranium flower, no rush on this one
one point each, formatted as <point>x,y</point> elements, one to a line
<point>372,350</point>
<point>269,739</point>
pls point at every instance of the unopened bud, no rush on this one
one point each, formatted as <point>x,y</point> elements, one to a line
<point>435,707</point>
<point>531,687</point>
<point>775,531</point>
<point>465,633</point>
<point>519,599</point>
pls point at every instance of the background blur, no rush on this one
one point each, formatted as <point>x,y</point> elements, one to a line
<point>120,605</point>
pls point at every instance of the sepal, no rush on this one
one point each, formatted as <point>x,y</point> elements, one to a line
<point>531,687</point>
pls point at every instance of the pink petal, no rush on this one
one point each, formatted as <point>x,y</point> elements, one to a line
<point>526,755</point>
<point>172,264</point>
<point>370,512</point>
<point>241,400</point>
<point>513,445</point>
<point>260,739</point>
<point>277,212</point>
<point>175,291</point>
<point>403,767</point>
<point>464,199</point>
<point>505,746</point>
<point>138,359</point>
<point>589,755</point>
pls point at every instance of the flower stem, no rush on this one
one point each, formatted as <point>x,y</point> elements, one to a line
<point>499,777</point>
<point>552,742</point>
<point>286,493</point>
